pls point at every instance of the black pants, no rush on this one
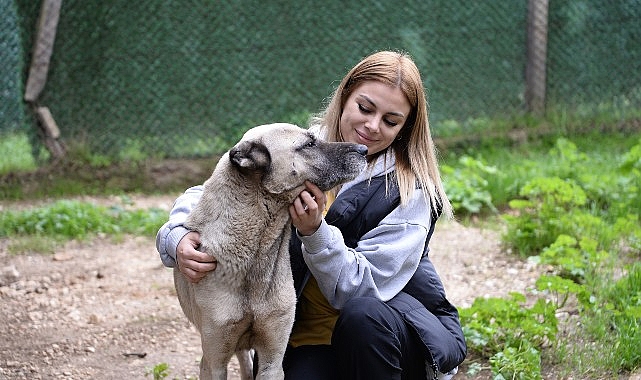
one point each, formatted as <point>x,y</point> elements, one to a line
<point>370,341</point>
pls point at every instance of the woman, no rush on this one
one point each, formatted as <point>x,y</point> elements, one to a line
<point>370,303</point>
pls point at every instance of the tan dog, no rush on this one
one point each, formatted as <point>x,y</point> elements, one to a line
<point>248,302</point>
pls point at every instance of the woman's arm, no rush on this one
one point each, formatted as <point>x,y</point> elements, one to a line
<point>178,246</point>
<point>381,264</point>
<point>172,232</point>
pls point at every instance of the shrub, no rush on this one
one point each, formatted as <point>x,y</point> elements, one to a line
<point>510,334</point>
<point>466,187</point>
<point>550,206</point>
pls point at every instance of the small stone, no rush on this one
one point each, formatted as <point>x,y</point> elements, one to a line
<point>62,256</point>
<point>9,275</point>
<point>93,319</point>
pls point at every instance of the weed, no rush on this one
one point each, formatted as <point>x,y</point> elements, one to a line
<point>66,219</point>
<point>16,153</point>
<point>510,334</point>
<point>578,220</point>
<point>159,371</point>
<point>466,185</point>
<point>551,206</point>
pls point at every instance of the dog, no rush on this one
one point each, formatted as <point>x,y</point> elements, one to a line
<point>248,302</point>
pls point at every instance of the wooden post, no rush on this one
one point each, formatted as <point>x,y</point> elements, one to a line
<point>51,133</point>
<point>535,67</point>
<point>38,71</point>
<point>43,48</point>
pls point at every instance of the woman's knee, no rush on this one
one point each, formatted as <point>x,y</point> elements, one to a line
<point>363,319</point>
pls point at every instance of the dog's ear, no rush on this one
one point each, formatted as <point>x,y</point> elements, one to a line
<point>250,155</point>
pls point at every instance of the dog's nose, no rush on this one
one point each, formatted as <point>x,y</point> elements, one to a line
<point>362,149</point>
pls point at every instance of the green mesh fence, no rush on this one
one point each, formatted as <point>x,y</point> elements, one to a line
<point>180,79</point>
<point>11,66</point>
<point>594,54</point>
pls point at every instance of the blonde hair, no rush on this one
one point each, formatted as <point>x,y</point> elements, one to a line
<point>415,152</point>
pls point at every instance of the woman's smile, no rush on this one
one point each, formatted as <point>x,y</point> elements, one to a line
<point>365,139</point>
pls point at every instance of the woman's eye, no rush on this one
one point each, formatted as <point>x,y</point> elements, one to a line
<point>391,123</point>
<point>363,109</point>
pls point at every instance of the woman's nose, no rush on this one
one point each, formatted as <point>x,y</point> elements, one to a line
<point>373,123</point>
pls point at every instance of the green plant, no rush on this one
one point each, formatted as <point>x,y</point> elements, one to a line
<point>575,259</point>
<point>510,334</point>
<point>77,220</point>
<point>16,153</point>
<point>631,161</point>
<point>66,218</point>
<point>522,362</point>
<point>560,288</point>
<point>466,186</point>
<point>550,206</point>
<point>622,303</point>
<point>630,169</point>
<point>159,371</point>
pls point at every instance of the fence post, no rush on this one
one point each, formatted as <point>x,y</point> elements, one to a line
<point>535,67</point>
<point>43,48</point>
<point>38,71</point>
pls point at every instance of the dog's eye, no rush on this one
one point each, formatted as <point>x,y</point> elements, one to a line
<point>309,144</point>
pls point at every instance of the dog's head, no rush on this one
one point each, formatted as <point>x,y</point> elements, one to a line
<point>283,156</point>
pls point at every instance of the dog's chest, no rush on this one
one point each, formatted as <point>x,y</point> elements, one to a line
<point>255,272</point>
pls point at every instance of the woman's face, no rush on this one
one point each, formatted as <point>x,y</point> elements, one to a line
<point>373,115</point>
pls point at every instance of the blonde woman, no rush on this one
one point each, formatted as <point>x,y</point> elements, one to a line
<point>370,303</point>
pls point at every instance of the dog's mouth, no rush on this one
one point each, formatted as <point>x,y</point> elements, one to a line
<point>327,166</point>
<point>349,167</point>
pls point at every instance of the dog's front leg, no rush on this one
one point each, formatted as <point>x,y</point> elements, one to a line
<point>216,353</point>
<point>270,364</point>
<point>270,342</point>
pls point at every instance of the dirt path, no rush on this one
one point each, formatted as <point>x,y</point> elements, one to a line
<point>107,310</point>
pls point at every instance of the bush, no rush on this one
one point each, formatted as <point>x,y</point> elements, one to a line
<point>510,334</point>
<point>466,187</point>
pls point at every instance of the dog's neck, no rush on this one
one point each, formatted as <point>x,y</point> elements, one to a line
<point>240,205</point>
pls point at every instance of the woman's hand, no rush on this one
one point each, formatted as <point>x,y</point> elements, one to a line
<point>307,209</point>
<point>192,263</point>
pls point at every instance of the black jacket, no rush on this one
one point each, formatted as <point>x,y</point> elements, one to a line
<point>422,302</point>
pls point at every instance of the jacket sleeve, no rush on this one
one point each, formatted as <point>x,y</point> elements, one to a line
<point>170,234</point>
<point>382,262</point>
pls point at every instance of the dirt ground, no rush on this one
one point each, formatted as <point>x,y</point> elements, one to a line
<point>104,309</point>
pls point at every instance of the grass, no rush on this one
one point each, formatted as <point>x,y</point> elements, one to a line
<point>516,164</point>
<point>43,229</point>
<point>16,153</point>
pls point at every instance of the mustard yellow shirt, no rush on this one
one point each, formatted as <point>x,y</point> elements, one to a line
<point>315,316</point>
